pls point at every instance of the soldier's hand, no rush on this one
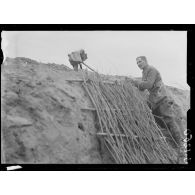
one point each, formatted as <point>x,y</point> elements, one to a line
<point>135,83</point>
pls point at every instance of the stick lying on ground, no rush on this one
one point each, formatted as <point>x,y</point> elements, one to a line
<point>89,67</point>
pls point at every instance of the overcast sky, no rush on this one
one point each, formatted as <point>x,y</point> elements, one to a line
<point>109,52</point>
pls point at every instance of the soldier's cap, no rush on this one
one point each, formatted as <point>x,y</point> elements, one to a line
<point>142,58</point>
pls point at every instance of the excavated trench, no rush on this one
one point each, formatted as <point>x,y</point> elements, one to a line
<point>47,117</point>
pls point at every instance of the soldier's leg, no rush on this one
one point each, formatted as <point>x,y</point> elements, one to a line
<point>175,132</point>
<point>76,67</point>
<point>180,118</point>
<point>177,136</point>
<point>167,112</point>
<point>154,99</point>
<point>80,66</point>
<point>151,101</point>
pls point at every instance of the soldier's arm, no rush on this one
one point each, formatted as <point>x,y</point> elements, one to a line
<point>150,81</point>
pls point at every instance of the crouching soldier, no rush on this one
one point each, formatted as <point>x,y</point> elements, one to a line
<point>158,99</point>
<point>76,58</point>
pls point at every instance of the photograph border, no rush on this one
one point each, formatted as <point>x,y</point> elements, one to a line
<point>119,27</point>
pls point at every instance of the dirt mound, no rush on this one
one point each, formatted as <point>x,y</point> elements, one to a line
<point>45,116</point>
<point>181,97</point>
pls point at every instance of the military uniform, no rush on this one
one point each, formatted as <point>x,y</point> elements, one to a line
<point>152,81</point>
<point>164,109</point>
<point>161,103</point>
<point>76,58</point>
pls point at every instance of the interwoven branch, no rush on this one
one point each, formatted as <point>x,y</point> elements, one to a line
<point>122,111</point>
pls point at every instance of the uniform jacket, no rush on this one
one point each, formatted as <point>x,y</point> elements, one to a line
<point>78,56</point>
<point>75,56</point>
<point>151,79</point>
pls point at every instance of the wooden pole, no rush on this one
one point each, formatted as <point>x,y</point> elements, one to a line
<point>88,67</point>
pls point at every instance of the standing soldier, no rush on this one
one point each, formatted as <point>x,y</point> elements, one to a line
<point>158,100</point>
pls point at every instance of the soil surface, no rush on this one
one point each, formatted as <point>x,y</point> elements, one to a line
<point>45,116</point>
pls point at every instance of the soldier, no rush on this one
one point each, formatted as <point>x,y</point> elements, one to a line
<point>151,80</point>
<point>76,58</point>
<point>159,101</point>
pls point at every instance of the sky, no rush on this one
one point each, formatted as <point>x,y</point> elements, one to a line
<point>109,52</point>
